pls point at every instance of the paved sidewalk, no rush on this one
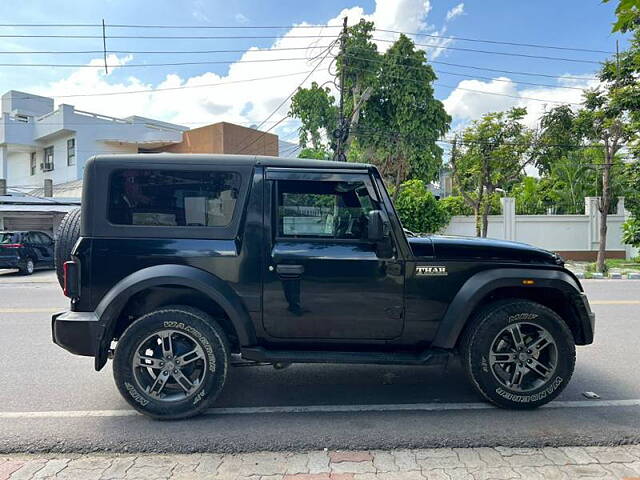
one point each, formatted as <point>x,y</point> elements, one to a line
<point>438,464</point>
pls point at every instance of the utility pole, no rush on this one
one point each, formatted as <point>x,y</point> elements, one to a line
<point>341,133</point>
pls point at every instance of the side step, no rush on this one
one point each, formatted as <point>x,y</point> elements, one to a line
<point>427,357</point>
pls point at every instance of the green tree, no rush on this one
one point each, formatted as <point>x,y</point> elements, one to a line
<point>418,209</point>
<point>316,109</point>
<point>628,13</point>
<point>402,120</point>
<point>491,154</point>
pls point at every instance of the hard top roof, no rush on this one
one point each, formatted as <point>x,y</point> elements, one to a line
<point>218,159</point>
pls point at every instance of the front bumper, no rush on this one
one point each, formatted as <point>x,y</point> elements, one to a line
<point>77,332</point>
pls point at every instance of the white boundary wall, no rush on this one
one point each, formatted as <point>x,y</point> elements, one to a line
<point>559,233</point>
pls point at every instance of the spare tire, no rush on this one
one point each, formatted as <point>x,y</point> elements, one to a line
<point>66,237</point>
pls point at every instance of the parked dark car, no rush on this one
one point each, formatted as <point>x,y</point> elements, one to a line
<point>26,251</point>
<point>183,260</point>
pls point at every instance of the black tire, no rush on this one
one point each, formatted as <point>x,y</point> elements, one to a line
<point>65,239</point>
<point>28,266</point>
<point>488,329</point>
<point>183,320</point>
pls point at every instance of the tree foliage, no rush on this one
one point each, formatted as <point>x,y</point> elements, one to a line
<point>316,109</point>
<point>491,154</point>
<point>418,209</point>
<point>628,15</point>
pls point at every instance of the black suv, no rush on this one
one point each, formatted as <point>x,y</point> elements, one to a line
<point>26,251</point>
<point>184,260</point>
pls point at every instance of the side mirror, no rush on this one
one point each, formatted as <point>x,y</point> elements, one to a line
<point>377,228</point>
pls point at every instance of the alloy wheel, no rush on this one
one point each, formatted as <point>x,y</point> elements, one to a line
<point>523,356</point>
<point>170,365</point>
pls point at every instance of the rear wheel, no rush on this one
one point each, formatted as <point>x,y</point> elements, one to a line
<point>171,363</point>
<point>27,267</point>
<point>518,354</point>
<point>66,237</point>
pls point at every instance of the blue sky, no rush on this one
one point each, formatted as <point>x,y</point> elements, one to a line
<point>569,23</point>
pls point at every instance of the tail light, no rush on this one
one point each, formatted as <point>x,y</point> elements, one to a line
<point>12,245</point>
<point>71,277</point>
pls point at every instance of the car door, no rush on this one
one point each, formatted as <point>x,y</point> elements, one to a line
<point>323,279</point>
<point>47,244</point>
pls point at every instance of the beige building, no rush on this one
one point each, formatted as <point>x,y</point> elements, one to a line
<point>225,137</point>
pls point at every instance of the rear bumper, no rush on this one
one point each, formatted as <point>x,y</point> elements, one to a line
<point>9,262</point>
<point>77,332</point>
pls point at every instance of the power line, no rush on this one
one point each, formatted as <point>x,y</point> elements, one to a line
<point>328,50</point>
<point>167,89</point>
<point>163,37</point>
<point>474,90</point>
<point>164,52</point>
<point>508,81</point>
<point>492,52</point>
<point>512,72</point>
<point>498,42</point>
<point>116,25</point>
<point>141,65</point>
<point>294,26</point>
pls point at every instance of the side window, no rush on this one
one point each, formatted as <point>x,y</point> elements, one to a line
<point>31,238</point>
<point>43,238</point>
<point>173,198</point>
<point>319,209</point>
<point>71,151</point>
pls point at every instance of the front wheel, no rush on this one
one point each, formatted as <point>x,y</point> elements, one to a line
<point>171,363</point>
<point>518,354</point>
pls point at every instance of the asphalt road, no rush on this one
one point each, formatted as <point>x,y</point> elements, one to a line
<point>51,400</point>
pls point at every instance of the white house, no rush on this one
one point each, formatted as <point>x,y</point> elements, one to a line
<point>38,142</point>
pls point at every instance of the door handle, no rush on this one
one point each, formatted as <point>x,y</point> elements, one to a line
<point>290,271</point>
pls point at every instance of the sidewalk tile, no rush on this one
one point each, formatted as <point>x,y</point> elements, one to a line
<point>209,463</point>
<point>552,473</point>
<point>440,462</point>
<point>253,464</point>
<point>458,474</point>
<point>496,473</point>
<point>621,470</point>
<point>435,474</point>
<point>578,455</point>
<point>470,457</point>
<point>583,471</point>
<point>297,463</point>
<point>52,468</point>
<point>353,467</point>
<point>610,454</point>
<point>406,460</point>
<point>7,468</point>
<point>118,468</point>
<point>534,460</point>
<point>318,462</point>
<point>349,456</point>
<point>558,457</point>
<point>28,470</point>
<point>491,456</point>
<point>320,476</point>
<point>384,462</point>
<point>434,453</point>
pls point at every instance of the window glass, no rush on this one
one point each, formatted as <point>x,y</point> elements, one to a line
<point>43,238</point>
<point>32,163</point>
<point>8,237</point>
<point>47,165</point>
<point>71,151</point>
<point>335,210</point>
<point>173,198</point>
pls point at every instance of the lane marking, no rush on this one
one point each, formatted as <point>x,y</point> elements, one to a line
<point>402,407</point>
<point>615,302</point>
<point>33,310</point>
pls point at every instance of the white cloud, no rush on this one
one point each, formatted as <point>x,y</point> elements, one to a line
<point>240,18</point>
<point>466,103</point>
<point>455,12</point>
